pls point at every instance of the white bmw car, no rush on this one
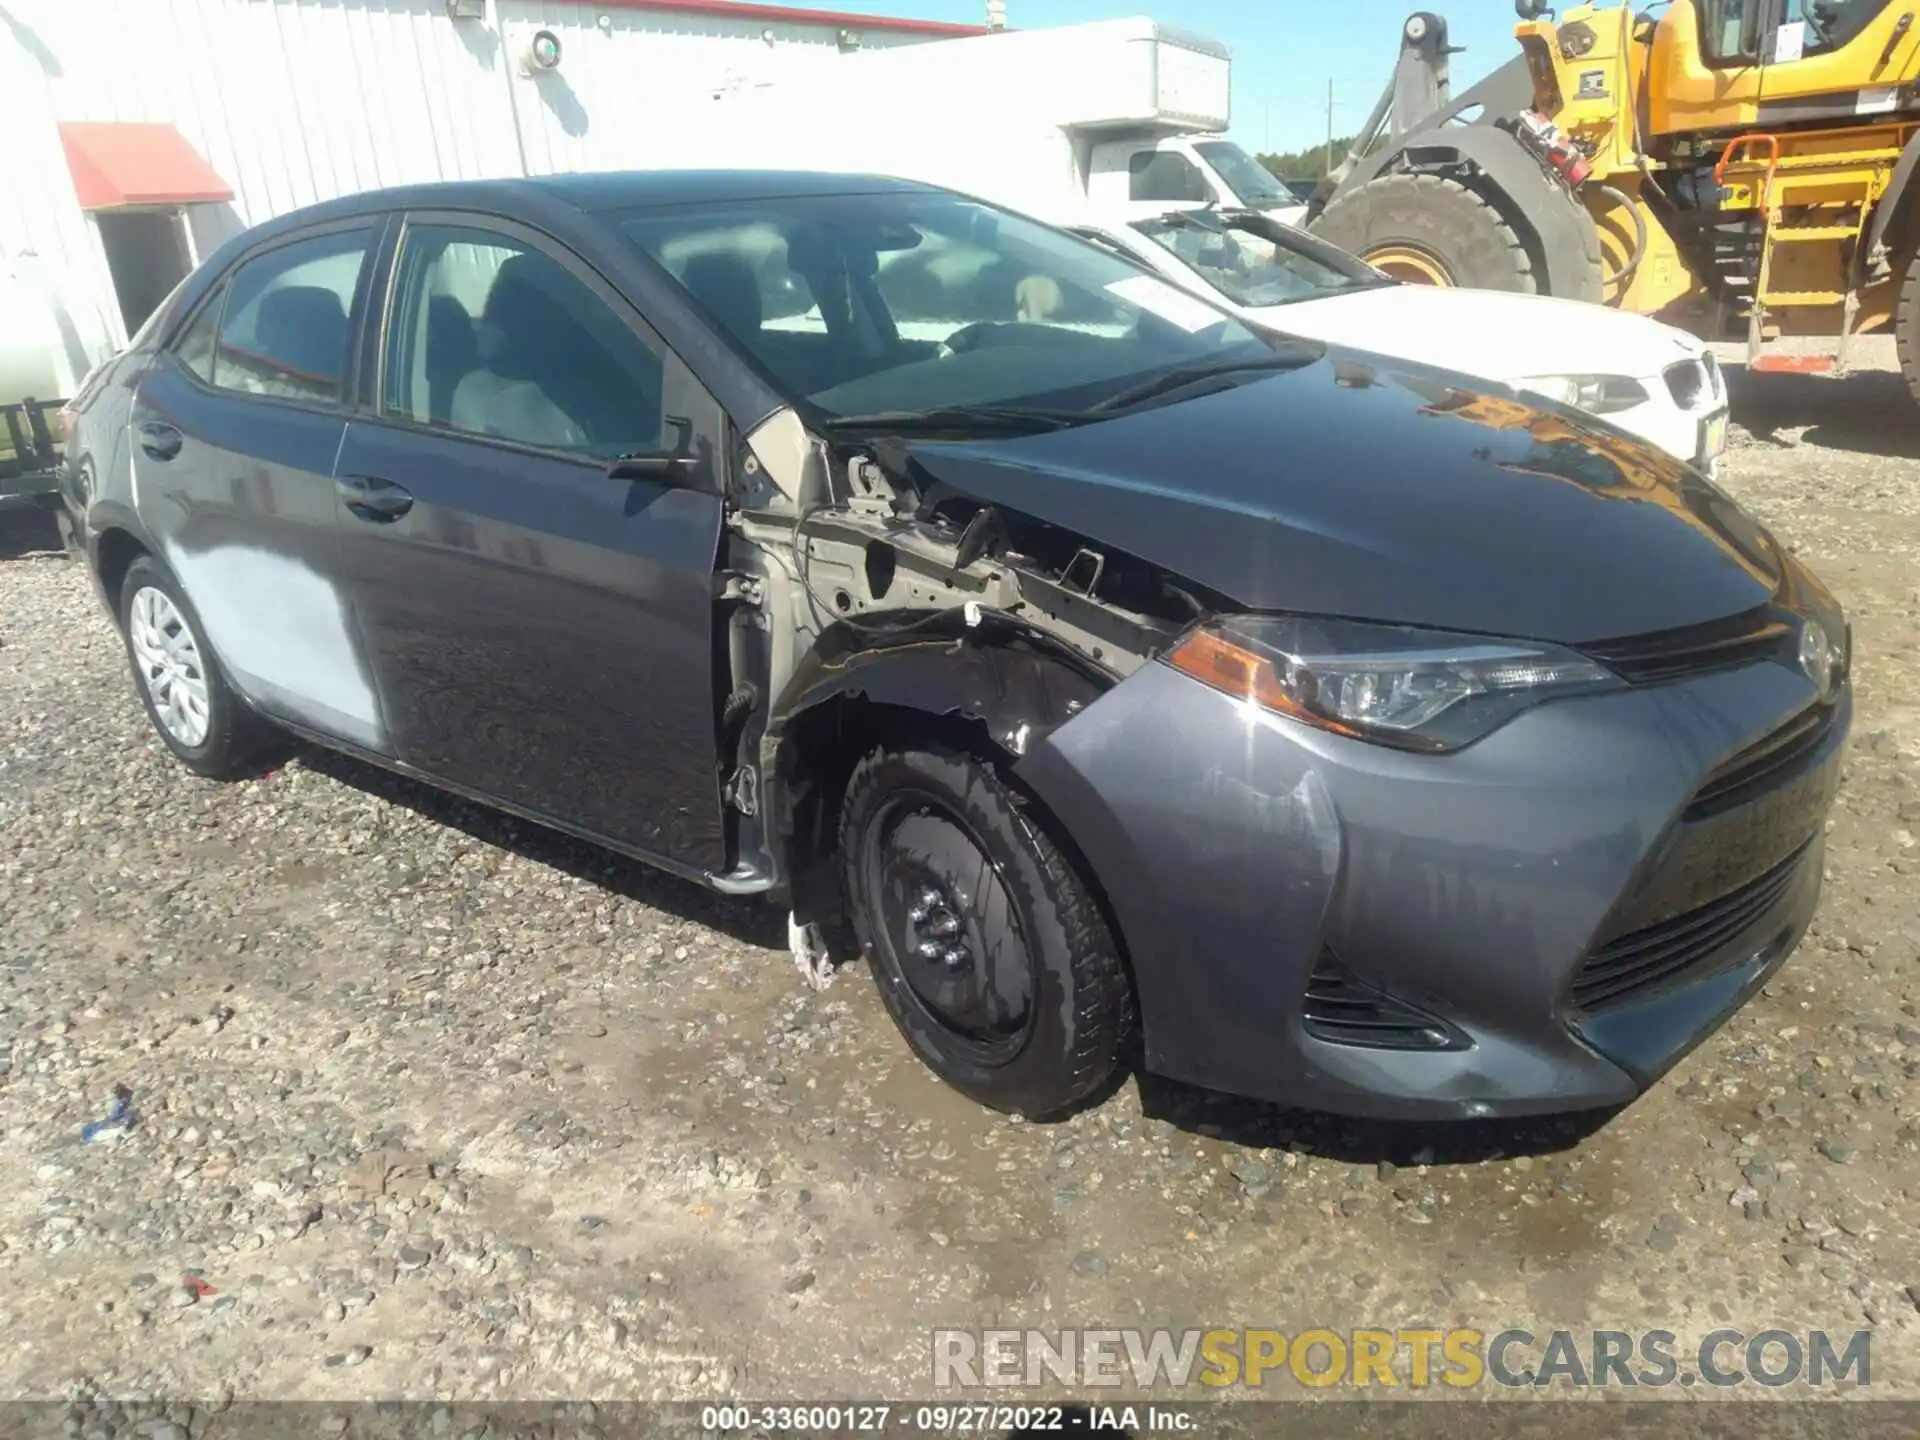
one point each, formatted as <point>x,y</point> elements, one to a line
<point>1657,382</point>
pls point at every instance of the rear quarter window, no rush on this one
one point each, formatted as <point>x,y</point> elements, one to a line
<point>284,328</point>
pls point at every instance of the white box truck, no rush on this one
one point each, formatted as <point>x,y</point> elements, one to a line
<point>1124,114</point>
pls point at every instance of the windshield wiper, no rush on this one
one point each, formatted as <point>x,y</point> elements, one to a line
<point>1173,380</point>
<point>998,419</point>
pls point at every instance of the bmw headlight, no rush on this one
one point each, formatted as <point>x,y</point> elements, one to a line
<point>1595,394</point>
<point>1414,689</point>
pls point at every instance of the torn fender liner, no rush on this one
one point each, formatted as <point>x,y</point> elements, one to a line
<point>1416,500</point>
<point>1018,692</point>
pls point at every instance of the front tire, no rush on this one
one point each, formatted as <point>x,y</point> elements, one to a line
<point>989,950</point>
<point>194,711</point>
<point>1431,230</point>
<point>1906,326</point>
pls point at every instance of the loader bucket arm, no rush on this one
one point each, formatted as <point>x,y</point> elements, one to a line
<point>1501,95</point>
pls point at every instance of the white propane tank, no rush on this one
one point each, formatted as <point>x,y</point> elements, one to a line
<point>34,362</point>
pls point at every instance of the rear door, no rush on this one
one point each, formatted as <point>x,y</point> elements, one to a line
<point>234,433</point>
<point>541,634</point>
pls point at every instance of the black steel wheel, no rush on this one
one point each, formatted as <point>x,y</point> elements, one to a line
<point>989,950</point>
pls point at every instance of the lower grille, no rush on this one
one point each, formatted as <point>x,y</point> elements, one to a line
<point>1735,779</point>
<point>1343,1009</point>
<point>1623,968</point>
<point>1694,649</point>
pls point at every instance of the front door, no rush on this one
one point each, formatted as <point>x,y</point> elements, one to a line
<point>1141,179</point>
<point>542,634</point>
<point>234,433</point>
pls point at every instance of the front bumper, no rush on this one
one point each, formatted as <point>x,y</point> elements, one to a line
<point>1695,436</point>
<point>1239,851</point>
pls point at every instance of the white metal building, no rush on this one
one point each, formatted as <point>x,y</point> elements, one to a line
<point>139,134</point>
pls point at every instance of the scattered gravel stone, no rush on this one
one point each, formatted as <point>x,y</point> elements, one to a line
<point>1088,1263</point>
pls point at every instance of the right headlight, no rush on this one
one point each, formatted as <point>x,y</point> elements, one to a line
<point>1395,685</point>
<point>1595,394</point>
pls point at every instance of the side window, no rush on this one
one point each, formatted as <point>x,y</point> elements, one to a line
<point>1164,175</point>
<point>1830,24</point>
<point>492,337</point>
<point>195,345</point>
<point>284,329</point>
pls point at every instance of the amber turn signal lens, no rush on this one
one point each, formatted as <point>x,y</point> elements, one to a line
<point>1213,659</point>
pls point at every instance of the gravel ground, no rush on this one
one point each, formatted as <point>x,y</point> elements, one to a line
<point>432,1103</point>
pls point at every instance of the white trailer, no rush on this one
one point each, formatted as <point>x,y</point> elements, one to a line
<point>1124,114</point>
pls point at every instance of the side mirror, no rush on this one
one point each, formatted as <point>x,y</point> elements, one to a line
<point>677,466</point>
<point>667,469</point>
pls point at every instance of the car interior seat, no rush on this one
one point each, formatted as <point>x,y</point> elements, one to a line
<point>527,345</point>
<point>730,290</point>
<point>302,332</point>
<point>452,354</point>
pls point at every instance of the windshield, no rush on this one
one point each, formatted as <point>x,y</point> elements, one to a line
<point>1251,180</point>
<point>914,301</point>
<point>1255,262</point>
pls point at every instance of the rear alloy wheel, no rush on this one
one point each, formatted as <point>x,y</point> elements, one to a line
<point>1429,230</point>
<point>990,953</point>
<point>207,727</point>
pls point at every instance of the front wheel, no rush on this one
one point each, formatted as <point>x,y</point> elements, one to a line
<point>989,950</point>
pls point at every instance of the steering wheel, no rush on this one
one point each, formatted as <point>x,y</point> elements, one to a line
<point>969,337</point>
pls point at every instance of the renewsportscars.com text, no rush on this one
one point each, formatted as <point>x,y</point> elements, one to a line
<point>1402,1358</point>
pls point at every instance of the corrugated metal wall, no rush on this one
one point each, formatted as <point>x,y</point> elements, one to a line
<point>295,101</point>
<point>629,78</point>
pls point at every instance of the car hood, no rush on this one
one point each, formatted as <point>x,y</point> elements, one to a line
<point>1365,488</point>
<point>1485,332</point>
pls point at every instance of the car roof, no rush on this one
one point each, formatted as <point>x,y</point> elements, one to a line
<point>594,191</point>
<point>640,189</point>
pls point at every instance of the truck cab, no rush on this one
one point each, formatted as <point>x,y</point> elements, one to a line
<point>1142,177</point>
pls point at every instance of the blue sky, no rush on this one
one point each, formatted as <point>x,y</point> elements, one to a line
<point>1284,51</point>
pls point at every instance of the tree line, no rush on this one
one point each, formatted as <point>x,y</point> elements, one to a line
<point>1307,164</point>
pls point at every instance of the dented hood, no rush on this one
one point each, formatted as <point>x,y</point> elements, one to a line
<point>1362,487</point>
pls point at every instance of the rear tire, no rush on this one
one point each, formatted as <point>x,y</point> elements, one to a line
<point>989,950</point>
<point>194,711</point>
<point>1429,229</point>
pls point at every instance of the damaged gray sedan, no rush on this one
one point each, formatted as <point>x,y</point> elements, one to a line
<point>1299,722</point>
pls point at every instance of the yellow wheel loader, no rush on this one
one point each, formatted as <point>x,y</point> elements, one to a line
<point>1736,167</point>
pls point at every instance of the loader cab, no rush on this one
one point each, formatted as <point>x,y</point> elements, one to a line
<point>1735,33</point>
<point>1741,64</point>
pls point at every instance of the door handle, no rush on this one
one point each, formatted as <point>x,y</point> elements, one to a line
<point>159,440</point>
<point>368,497</point>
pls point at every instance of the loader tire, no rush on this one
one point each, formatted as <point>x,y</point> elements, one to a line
<point>1431,230</point>
<point>1906,326</point>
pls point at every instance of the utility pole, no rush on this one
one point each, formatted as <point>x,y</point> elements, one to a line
<point>1329,160</point>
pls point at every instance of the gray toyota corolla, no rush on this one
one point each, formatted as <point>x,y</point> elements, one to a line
<point>1359,735</point>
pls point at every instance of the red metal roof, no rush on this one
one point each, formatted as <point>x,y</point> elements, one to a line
<point>740,10</point>
<point>122,163</point>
